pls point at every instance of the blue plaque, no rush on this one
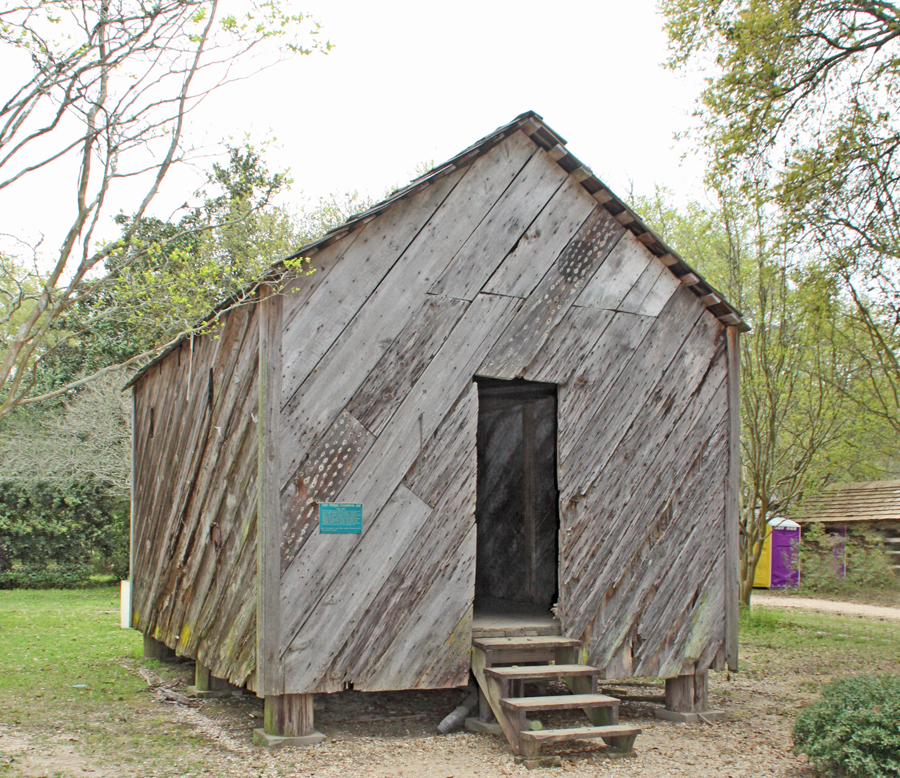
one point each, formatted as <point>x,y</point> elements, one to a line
<point>337,517</point>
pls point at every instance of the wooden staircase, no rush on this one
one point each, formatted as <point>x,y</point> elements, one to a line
<point>503,665</point>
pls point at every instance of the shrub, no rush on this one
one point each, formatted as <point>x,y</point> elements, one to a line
<point>55,536</point>
<point>854,729</point>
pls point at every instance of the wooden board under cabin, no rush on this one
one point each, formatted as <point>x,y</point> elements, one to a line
<point>194,521</point>
<point>509,270</point>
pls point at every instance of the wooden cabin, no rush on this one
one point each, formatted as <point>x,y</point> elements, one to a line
<point>496,426</point>
<point>869,505</point>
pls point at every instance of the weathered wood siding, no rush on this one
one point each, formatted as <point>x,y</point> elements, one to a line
<point>194,518</point>
<point>504,268</point>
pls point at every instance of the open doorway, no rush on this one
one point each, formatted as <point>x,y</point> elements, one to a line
<point>516,508</point>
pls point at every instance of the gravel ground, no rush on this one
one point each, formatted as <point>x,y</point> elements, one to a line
<point>393,735</point>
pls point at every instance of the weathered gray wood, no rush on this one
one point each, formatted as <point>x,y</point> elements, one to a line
<point>320,398</point>
<point>552,297</point>
<point>404,362</point>
<point>531,258</point>
<point>588,453</point>
<point>732,587</point>
<point>194,532</point>
<point>298,290</point>
<point>319,626</point>
<point>615,589</point>
<point>395,450</point>
<point>501,229</point>
<point>270,678</point>
<point>570,345</point>
<point>633,302</point>
<point>289,715</point>
<point>643,500</point>
<point>374,250</point>
<point>665,286</point>
<point>132,512</point>
<point>681,562</point>
<point>428,402</point>
<point>319,479</point>
<point>214,526</point>
<point>621,272</point>
<point>619,343</point>
<point>210,520</point>
<point>379,408</point>
<point>687,693</point>
<point>447,456</point>
<point>448,485</point>
<point>414,659</point>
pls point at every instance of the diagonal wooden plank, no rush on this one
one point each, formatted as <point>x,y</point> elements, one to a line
<point>670,412</point>
<point>617,527</point>
<point>381,470</point>
<point>405,361</point>
<point>298,290</point>
<point>633,301</point>
<point>501,229</point>
<point>414,659</point>
<point>620,273</point>
<point>666,285</point>
<point>317,627</point>
<point>319,479</point>
<point>420,565</point>
<point>426,405</point>
<point>415,572</point>
<point>340,373</point>
<point>623,400</point>
<point>446,453</point>
<point>571,343</point>
<point>373,251</point>
<point>663,550</point>
<point>553,296</point>
<point>611,355</point>
<point>534,253</point>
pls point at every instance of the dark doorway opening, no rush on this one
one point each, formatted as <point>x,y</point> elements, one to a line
<point>516,509</point>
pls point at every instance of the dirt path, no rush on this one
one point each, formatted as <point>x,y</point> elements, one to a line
<point>826,606</point>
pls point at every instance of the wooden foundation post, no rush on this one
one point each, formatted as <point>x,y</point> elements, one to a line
<point>154,649</point>
<point>687,700</point>
<point>288,721</point>
<point>207,685</point>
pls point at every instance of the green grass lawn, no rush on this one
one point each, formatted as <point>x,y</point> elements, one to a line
<point>69,681</point>
<point>817,645</point>
<point>70,687</point>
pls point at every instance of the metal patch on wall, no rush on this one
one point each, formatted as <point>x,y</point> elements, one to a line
<point>340,518</point>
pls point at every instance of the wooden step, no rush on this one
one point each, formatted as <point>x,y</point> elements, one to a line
<point>540,672</point>
<point>559,702</point>
<point>547,642</point>
<point>621,735</point>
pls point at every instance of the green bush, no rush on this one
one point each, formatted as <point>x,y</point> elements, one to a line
<point>854,729</point>
<point>822,555</point>
<point>57,537</point>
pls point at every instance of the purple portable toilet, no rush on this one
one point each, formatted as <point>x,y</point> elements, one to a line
<point>776,561</point>
<point>785,540</point>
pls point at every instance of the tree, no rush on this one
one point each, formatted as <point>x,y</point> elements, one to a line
<point>803,102</point>
<point>795,380</point>
<point>111,85</point>
<point>78,440</point>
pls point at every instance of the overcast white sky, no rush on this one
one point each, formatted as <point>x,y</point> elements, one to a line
<point>414,81</point>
